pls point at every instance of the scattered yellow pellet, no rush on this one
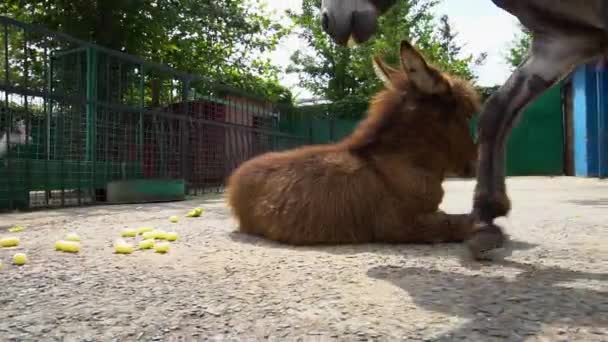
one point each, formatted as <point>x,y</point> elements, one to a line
<point>71,247</point>
<point>148,235</point>
<point>160,235</point>
<point>171,236</point>
<point>196,212</point>
<point>72,237</point>
<point>146,244</point>
<point>20,259</point>
<point>121,247</point>
<point>59,245</point>
<point>124,249</point>
<point>9,242</point>
<point>161,247</point>
<point>0,265</point>
<point>143,230</point>
<point>67,246</point>
<point>174,219</point>
<point>129,233</point>
<point>16,229</point>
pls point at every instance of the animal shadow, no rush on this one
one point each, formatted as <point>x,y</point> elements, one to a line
<point>406,250</point>
<point>500,308</point>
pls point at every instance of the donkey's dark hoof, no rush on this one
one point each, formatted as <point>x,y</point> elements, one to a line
<point>487,243</point>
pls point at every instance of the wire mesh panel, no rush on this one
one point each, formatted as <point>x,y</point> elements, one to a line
<point>75,116</point>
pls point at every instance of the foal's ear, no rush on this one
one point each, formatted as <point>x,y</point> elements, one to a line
<point>417,70</point>
<point>382,71</point>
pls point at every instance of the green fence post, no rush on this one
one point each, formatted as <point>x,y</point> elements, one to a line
<point>91,103</point>
<point>142,104</point>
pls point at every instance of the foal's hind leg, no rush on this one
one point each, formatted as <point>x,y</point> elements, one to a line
<point>437,227</point>
<point>440,227</point>
<point>550,58</point>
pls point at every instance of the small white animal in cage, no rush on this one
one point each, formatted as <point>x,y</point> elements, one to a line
<point>16,136</point>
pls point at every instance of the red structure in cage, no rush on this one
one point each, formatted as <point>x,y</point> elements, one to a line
<point>219,137</point>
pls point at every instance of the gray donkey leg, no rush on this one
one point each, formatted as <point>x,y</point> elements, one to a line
<point>550,58</point>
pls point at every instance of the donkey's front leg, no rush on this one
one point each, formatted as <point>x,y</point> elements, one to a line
<point>549,59</point>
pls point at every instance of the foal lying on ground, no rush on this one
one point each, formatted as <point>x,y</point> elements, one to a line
<point>383,183</point>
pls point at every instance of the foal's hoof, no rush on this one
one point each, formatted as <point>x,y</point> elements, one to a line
<point>487,243</point>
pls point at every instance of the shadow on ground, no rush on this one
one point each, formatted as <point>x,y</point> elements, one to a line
<point>453,250</point>
<point>504,308</point>
<point>599,203</point>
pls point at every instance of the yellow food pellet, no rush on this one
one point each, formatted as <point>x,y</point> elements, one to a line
<point>171,236</point>
<point>148,235</point>
<point>174,219</point>
<point>71,246</point>
<point>128,233</point>
<point>59,245</point>
<point>196,212</point>
<point>162,247</point>
<point>72,237</point>
<point>67,246</point>
<point>9,242</point>
<point>20,259</point>
<point>160,235</point>
<point>0,265</point>
<point>16,229</point>
<point>123,248</point>
<point>143,230</point>
<point>146,244</point>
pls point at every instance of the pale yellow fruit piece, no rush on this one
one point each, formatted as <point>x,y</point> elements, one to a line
<point>128,233</point>
<point>160,235</point>
<point>72,237</point>
<point>143,230</point>
<point>162,247</point>
<point>16,229</point>
<point>59,245</point>
<point>9,242</point>
<point>171,236</point>
<point>122,247</point>
<point>196,212</point>
<point>20,259</point>
<point>148,235</point>
<point>70,246</point>
<point>146,244</point>
<point>174,219</point>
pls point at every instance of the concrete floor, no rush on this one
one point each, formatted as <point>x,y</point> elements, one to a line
<point>215,284</point>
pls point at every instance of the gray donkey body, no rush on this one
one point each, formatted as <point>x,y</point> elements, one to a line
<point>566,34</point>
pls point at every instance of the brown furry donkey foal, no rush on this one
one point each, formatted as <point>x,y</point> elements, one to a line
<point>383,183</point>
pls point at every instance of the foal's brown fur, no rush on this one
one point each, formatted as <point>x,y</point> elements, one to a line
<point>380,184</point>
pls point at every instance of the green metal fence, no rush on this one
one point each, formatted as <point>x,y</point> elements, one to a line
<point>94,116</point>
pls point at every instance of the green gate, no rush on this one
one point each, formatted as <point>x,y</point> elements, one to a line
<point>536,144</point>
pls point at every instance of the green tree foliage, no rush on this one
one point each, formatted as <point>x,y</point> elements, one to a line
<point>519,48</point>
<point>345,75</point>
<point>222,39</point>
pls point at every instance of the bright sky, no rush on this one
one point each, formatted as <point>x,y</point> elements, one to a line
<point>481,26</point>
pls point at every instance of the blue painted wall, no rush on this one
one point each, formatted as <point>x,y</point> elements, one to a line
<point>590,87</point>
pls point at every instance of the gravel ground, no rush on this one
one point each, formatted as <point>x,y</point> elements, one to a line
<point>218,285</point>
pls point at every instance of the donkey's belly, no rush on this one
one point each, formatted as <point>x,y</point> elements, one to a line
<point>588,13</point>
